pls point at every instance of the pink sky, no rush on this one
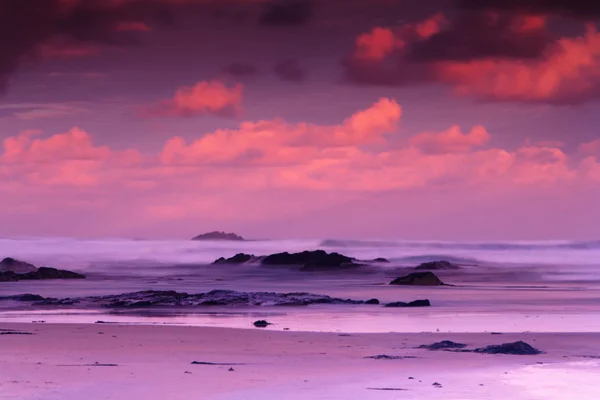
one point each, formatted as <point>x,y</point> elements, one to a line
<point>308,121</point>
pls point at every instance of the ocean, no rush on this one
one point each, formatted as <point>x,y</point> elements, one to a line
<point>515,286</point>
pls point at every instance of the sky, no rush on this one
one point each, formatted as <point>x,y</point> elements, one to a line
<point>407,119</point>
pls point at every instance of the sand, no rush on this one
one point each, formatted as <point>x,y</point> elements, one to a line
<point>154,362</point>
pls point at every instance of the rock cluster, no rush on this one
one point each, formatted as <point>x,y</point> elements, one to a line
<point>418,279</point>
<point>216,235</point>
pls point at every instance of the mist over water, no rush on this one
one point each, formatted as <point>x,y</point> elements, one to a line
<point>87,255</point>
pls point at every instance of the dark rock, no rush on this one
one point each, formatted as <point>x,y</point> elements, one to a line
<point>51,273</point>
<point>415,303</point>
<point>372,301</point>
<point>239,258</point>
<point>216,235</point>
<point>310,260</point>
<point>443,345</point>
<point>261,323</point>
<point>437,265</point>
<point>16,266</point>
<point>386,357</point>
<point>381,260</point>
<point>40,273</point>
<point>23,297</point>
<point>169,298</point>
<point>418,279</point>
<point>516,348</point>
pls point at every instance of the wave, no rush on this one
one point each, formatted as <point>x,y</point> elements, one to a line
<point>518,245</point>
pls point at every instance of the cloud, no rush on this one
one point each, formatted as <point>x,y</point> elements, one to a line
<point>483,35</point>
<point>512,59</point>
<point>272,170</point>
<point>279,143</point>
<point>590,148</point>
<point>132,26</point>
<point>240,70</point>
<point>280,13</point>
<point>451,140</point>
<point>290,70</point>
<point>32,111</point>
<point>203,98</point>
<point>578,8</point>
<point>569,73</point>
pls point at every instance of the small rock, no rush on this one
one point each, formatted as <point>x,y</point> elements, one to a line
<point>418,279</point>
<point>443,345</point>
<point>515,348</point>
<point>261,323</point>
<point>437,265</point>
<point>372,301</point>
<point>415,303</point>
<point>231,369</point>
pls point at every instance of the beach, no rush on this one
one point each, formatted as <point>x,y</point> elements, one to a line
<point>105,361</point>
<point>133,327</point>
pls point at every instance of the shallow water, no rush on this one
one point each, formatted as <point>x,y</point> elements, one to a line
<point>510,286</point>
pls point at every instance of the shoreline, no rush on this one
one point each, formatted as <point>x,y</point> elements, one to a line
<point>58,361</point>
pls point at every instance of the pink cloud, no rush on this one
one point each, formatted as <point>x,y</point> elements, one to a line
<point>570,71</point>
<point>205,97</point>
<point>451,140</point>
<point>590,148</point>
<point>59,47</point>
<point>132,26</point>
<point>272,170</point>
<point>277,142</point>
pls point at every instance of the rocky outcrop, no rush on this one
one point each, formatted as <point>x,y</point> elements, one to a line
<point>415,303</point>
<point>261,323</point>
<point>40,273</point>
<point>169,298</point>
<point>19,267</point>
<point>515,348</point>
<point>443,345</point>
<point>216,235</point>
<point>437,265</point>
<point>311,260</point>
<point>418,279</point>
<point>239,258</point>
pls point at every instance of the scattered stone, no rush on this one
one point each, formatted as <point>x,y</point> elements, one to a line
<point>261,323</point>
<point>415,303</point>
<point>231,369</point>
<point>443,345</point>
<point>436,384</point>
<point>311,260</point>
<point>23,297</point>
<point>386,357</point>
<point>40,273</point>
<point>418,279</point>
<point>19,267</point>
<point>213,363</point>
<point>515,348</point>
<point>170,298</point>
<point>437,265</point>
<point>372,301</point>
<point>239,258</point>
<point>216,235</point>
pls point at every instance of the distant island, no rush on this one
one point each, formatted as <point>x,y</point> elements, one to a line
<point>216,235</point>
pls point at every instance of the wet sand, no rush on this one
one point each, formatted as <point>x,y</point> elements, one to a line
<point>109,361</point>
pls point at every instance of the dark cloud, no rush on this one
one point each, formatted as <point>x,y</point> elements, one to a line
<point>586,9</point>
<point>241,69</point>
<point>26,25</point>
<point>287,12</point>
<point>476,35</point>
<point>290,70</point>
